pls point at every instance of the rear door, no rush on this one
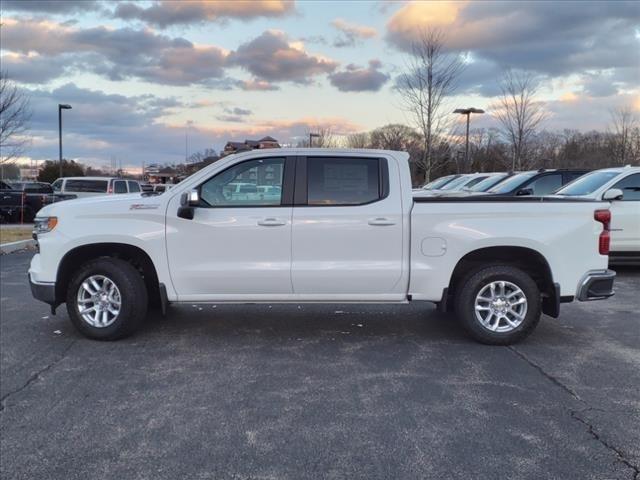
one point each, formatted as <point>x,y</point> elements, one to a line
<point>625,216</point>
<point>347,229</point>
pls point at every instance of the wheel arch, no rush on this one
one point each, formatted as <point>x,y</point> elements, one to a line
<point>529,260</point>
<point>79,255</point>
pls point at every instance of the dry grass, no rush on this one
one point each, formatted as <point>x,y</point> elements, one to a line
<point>8,235</point>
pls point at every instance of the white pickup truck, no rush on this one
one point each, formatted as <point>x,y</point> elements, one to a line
<point>334,226</point>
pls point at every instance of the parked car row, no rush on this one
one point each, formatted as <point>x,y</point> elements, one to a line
<point>20,201</point>
<point>619,186</point>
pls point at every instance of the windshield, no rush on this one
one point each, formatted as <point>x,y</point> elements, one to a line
<point>587,184</point>
<point>512,183</point>
<point>438,182</point>
<point>487,183</point>
<point>454,184</point>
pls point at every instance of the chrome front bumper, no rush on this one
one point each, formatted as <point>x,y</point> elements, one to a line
<point>596,285</point>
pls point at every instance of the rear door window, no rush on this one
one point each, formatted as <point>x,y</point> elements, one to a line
<point>87,186</point>
<point>119,186</point>
<point>343,181</point>
<point>133,186</point>
<point>546,184</point>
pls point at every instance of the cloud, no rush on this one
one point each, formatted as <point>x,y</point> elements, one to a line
<point>34,69</point>
<point>234,115</point>
<point>351,33</point>
<point>238,111</point>
<point>115,53</point>
<point>271,57</point>
<point>599,85</point>
<point>583,112</point>
<point>257,85</point>
<point>167,13</point>
<point>358,79</point>
<point>51,6</point>
<point>136,129</point>
<point>549,38</point>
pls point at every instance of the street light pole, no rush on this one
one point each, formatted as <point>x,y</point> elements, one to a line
<point>467,112</point>
<point>311,135</point>
<point>61,106</point>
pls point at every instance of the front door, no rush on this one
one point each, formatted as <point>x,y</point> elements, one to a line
<point>347,230</point>
<point>238,245</point>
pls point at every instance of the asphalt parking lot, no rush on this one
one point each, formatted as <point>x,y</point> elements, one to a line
<point>312,391</point>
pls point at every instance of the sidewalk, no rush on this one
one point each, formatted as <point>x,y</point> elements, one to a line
<point>8,226</point>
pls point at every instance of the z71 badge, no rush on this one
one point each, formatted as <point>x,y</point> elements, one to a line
<point>144,206</point>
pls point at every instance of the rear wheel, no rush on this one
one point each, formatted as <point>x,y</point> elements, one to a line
<point>498,305</point>
<point>107,299</point>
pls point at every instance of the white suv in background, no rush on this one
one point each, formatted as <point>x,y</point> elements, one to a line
<point>621,187</point>
<point>93,186</point>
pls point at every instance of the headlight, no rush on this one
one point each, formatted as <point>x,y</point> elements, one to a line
<point>44,224</point>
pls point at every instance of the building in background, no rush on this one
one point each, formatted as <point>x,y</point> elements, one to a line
<point>235,147</point>
<point>29,173</point>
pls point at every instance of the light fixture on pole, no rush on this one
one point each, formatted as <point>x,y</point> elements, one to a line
<point>467,112</point>
<point>61,106</point>
<point>311,136</point>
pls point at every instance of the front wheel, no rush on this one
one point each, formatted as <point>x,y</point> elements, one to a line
<point>107,299</point>
<point>498,305</point>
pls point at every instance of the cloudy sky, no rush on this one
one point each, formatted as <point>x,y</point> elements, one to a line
<point>140,75</point>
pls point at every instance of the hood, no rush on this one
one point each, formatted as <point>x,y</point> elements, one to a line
<point>104,204</point>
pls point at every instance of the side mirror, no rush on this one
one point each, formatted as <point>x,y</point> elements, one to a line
<point>525,191</point>
<point>188,200</point>
<point>613,194</point>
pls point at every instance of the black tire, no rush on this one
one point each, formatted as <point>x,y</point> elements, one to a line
<point>470,287</point>
<point>133,293</point>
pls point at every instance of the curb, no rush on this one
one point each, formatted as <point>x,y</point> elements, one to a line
<point>15,246</point>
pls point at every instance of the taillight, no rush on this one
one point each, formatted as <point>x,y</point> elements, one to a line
<point>604,241</point>
<point>110,189</point>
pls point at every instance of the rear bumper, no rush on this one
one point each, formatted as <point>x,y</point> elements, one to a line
<point>596,285</point>
<point>45,292</point>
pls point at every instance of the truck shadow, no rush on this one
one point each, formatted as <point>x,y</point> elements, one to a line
<point>306,321</point>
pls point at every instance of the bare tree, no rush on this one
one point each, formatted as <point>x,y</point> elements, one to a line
<point>624,124</point>
<point>323,137</point>
<point>431,78</point>
<point>359,140</point>
<point>14,118</point>
<point>519,114</point>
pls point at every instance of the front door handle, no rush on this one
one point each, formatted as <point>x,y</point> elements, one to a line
<point>271,222</point>
<point>381,222</point>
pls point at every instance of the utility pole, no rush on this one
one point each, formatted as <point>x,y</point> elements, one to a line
<point>467,112</point>
<point>61,106</point>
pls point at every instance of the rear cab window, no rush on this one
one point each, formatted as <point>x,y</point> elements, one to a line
<point>133,186</point>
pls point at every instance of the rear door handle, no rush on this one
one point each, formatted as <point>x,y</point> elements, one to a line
<point>381,222</point>
<point>271,222</point>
